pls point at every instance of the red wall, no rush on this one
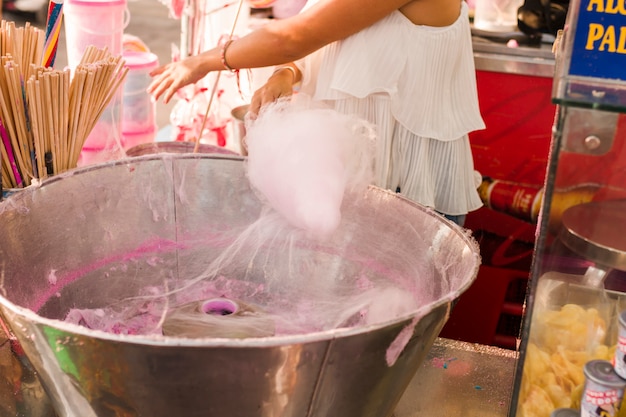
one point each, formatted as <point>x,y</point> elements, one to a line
<point>519,116</point>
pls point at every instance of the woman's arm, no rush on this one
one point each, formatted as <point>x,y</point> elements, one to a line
<point>290,39</point>
<point>279,42</point>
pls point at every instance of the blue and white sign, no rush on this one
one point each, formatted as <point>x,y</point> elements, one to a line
<point>599,48</point>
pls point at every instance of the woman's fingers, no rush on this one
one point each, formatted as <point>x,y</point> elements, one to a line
<point>159,86</point>
<point>268,94</point>
<point>158,70</point>
<point>255,105</point>
<point>168,79</point>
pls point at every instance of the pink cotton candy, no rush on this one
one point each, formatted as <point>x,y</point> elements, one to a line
<point>304,160</point>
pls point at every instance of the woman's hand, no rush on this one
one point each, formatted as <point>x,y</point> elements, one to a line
<point>169,78</point>
<point>279,85</point>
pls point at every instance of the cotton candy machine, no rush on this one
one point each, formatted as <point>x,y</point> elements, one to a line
<point>341,325</point>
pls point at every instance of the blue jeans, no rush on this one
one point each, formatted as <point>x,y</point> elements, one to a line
<point>460,219</point>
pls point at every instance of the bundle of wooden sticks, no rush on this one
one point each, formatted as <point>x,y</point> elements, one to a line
<point>46,114</point>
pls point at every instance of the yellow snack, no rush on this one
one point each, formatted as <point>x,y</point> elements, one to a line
<point>577,394</point>
<point>571,326</point>
<point>536,404</point>
<point>562,341</point>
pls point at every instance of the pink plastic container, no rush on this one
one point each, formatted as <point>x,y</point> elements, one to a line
<point>131,139</point>
<point>139,113</point>
<point>94,22</point>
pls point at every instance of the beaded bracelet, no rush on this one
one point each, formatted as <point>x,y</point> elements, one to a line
<point>223,56</point>
<point>225,42</point>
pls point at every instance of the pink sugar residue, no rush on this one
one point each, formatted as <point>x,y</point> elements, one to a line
<point>157,245</point>
<point>52,278</point>
<point>400,342</point>
<point>442,362</point>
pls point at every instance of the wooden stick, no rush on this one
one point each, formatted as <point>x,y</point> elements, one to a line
<point>65,95</point>
<point>85,108</point>
<point>33,89</point>
<point>78,89</point>
<point>7,181</point>
<point>48,116</point>
<point>56,118</point>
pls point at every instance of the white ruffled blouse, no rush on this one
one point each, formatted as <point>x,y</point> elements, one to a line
<point>417,84</point>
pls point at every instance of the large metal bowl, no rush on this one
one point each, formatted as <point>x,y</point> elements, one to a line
<point>101,234</point>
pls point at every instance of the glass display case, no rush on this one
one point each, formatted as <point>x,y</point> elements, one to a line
<point>571,354</point>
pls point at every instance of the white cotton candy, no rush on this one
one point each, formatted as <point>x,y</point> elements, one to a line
<point>304,160</point>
